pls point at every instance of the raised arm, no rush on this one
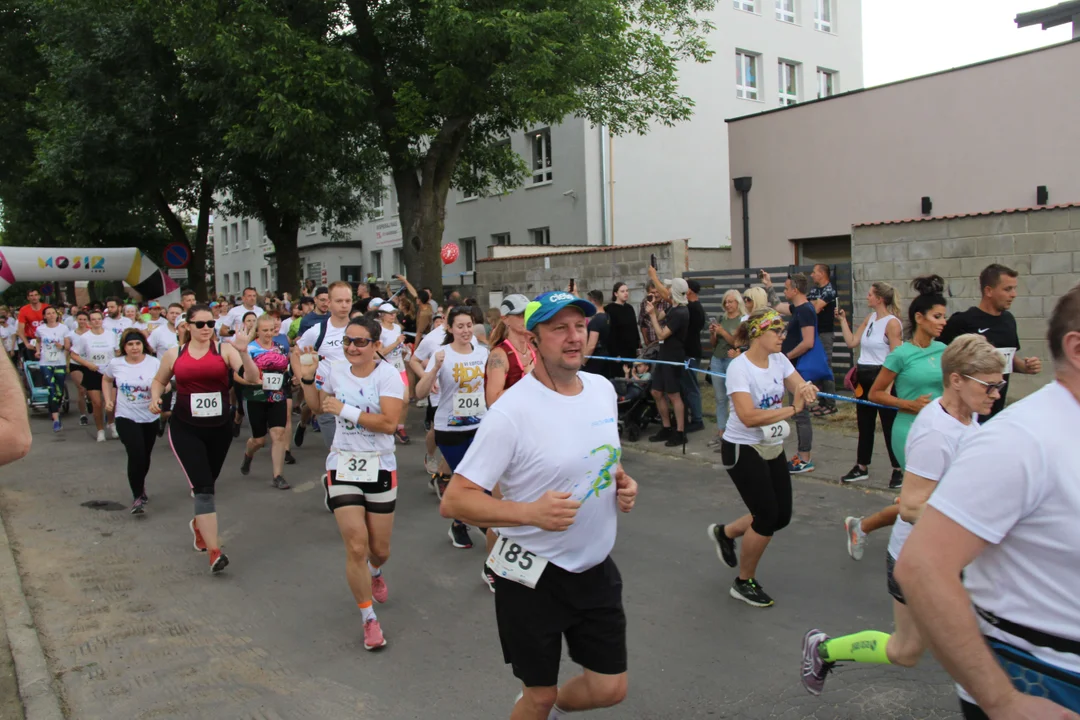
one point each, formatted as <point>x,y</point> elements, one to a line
<point>427,380</point>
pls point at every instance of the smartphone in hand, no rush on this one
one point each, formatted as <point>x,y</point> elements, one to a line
<point>652,261</point>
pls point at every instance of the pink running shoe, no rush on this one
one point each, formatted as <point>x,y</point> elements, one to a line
<point>373,637</point>
<point>379,591</point>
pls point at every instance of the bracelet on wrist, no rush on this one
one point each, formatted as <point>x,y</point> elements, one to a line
<point>306,381</point>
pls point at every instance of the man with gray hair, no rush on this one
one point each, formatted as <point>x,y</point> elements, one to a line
<point>671,330</point>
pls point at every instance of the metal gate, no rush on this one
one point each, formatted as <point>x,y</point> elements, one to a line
<point>714,283</point>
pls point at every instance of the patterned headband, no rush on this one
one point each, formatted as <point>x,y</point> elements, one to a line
<point>761,324</point>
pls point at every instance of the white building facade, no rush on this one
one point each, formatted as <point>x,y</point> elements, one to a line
<point>587,188</point>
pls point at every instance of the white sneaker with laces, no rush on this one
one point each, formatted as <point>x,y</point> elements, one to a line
<point>101,436</point>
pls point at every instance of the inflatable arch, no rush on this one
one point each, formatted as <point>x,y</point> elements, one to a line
<point>60,264</point>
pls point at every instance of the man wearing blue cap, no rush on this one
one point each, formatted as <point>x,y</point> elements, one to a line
<point>553,441</point>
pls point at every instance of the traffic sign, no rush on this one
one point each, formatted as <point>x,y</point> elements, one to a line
<point>46,289</point>
<point>177,255</point>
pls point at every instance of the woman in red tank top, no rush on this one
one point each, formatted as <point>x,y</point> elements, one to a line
<point>198,429</point>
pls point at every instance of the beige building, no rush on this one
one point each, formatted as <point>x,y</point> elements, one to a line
<point>985,137</point>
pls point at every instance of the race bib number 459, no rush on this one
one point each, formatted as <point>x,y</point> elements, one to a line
<point>513,562</point>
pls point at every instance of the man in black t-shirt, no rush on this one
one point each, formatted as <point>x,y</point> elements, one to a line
<point>822,296</point>
<point>799,340</point>
<point>690,390</point>
<point>667,379</point>
<point>991,319</point>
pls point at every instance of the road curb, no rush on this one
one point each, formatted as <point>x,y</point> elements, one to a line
<point>39,698</point>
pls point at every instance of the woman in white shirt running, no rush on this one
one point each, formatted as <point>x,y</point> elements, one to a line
<point>82,326</point>
<point>973,379</point>
<point>458,368</point>
<point>93,350</point>
<point>51,351</point>
<point>393,349</point>
<point>366,397</point>
<point>752,448</point>
<point>126,383</point>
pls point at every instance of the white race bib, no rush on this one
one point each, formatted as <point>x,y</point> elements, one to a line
<point>1008,354</point>
<point>52,354</point>
<point>361,468</point>
<point>469,404</point>
<point>398,363</point>
<point>513,562</point>
<point>99,359</point>
<point>205,405</point>
<point>775,433</point>
<point>272,381</point>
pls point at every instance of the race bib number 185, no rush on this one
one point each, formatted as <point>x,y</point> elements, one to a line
<point>513,562</point>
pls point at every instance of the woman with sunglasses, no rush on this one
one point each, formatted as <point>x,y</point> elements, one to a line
<point>198,431</point>
<point>458,368</point>
<point>93,350</point>
<point>126,383</point>
<point>752,448</point>
<point>974,379</point>
<point>365,397</point>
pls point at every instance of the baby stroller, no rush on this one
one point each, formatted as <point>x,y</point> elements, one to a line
<point>38,399</point>
<point>636,406</point>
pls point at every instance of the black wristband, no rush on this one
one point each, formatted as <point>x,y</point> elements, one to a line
<point>308,382</point>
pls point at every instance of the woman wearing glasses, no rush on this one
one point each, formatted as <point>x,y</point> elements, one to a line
<point>366,398</point>
<point>972,369</point>
<point>198,430</point>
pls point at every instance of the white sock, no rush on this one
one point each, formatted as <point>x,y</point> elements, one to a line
<point>375,572</point>
<point>557,713</point>
<point>368,613</point>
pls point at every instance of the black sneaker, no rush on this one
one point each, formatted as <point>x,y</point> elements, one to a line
<point>750,593</point>
<point>83,421</point>
<point>489,578</point>
<point>245,467</point>
<point>441,483</point>
<point>855,474</point>
<point>279,483</point>
<point>298,436</point>
<point>725,546</point>
<point>289,459</point>
<point>676,439</point>
<point>664,434</point>
<point>459,536</point>
<point>897,479</point>
<point>695,426</point>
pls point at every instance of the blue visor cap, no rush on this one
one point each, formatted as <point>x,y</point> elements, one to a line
<point>548,305</point>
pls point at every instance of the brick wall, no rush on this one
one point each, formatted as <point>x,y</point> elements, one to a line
<point>1043,245</point>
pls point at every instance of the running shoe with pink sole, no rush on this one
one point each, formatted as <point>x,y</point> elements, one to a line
<point>373,637</point>
<point>379,592</point>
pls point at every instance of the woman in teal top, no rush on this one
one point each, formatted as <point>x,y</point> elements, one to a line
<point>914,368</point>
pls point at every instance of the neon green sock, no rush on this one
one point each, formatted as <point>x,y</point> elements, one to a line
<point>867,646</point>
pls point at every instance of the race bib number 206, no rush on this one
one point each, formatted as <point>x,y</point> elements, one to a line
<point>206,405</point>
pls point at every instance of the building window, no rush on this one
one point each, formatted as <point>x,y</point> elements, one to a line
<point>747,5</point>
<point>788,82</point>
<point>826,83</point>
<point>245,233</point>
<point>379,211</point>
<point>399,262</point>
<point>376,263</point>
<point>225,240</point>
<point>541,156</point>
<point>540,236</point>
<point>823,15</point>
<point>264,278</point>
<point>785,11</point>
<point>236,282</point>
<point>351,274</point>
<point>468,246</point>
<point>236,237</point>
<point>247,279</point>
<point>746,79</point>
<point>225,283</point>
<point>500,239</point>
<point>264,239</point>
<point>467,195</point>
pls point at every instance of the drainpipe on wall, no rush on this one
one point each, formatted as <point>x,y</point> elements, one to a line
<point>742,185</point>
<point>605,204</point>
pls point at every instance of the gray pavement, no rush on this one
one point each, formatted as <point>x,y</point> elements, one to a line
<point>135,627</point>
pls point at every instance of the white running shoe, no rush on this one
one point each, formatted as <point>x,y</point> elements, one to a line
<point>101,436</point>
<point>856,538</point>
<point>112,432</point>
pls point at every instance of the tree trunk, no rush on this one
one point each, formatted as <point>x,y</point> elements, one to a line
<point>199,246</point>
<point>284,235</point>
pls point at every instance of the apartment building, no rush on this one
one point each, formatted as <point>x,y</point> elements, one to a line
<point>588,188</point>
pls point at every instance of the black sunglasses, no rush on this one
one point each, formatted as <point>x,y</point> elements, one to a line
<point>358,342</point>
<point>990,387</point>
<point>200,324</point>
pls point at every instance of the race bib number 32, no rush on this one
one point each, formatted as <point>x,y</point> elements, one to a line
<point>513,562</point>
<point>205,405</point>
<point>361,468</point>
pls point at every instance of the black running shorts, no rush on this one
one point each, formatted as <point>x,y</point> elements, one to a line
<point>584,607</point>
<point>379,498</point>
<point>266,415</point>
<point>91,380</point>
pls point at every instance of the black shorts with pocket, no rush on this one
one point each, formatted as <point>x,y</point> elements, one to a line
<point>91,380</point>
<point>584,607</point>
<point>265,415</point>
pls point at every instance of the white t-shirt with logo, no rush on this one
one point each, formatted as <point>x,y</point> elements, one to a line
<point>133,387</point>
<point>363,393</point>
<point>330,351</point>
<point>535,440</point>
<point>98,349</point>
<point>153,325</point>
<point>51,342</point>
<point>162,340</point>
<point>932,443</point>
<point>461,387</point>
<point>397,357</point>
<point>766,389</point>
<point>1016,485</point>
<point>116,326</point>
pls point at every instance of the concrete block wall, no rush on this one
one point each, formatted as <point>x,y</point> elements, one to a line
<point>1042,245</point>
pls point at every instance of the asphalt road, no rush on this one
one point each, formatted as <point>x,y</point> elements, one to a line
<point>135,627</point>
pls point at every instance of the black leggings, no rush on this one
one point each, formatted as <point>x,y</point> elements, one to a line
<point>138,439</point>
<point>765,486</point>
<point>866,416</point>
<point>200,451</point>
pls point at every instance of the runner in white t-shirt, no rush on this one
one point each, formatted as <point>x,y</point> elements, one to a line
<point>393,342</point>
<point>752,448</point>
<point>552,443</point>
<point>234,319</point>
<point>325,339</point>
<point>114,321</point>
<point>51,352</point>
<point>75,370</point>
<point>1006,515</point>
<point>458,370</point>
<point>126,382</point>
<point>93,350</point>
<point>432,341</point>
<point>162,340</point>
<point>972,377</point>
<point>364,397</point>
